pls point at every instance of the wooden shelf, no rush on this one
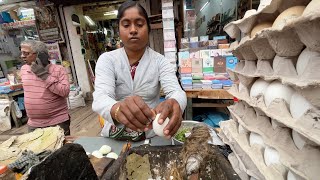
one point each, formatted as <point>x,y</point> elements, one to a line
<point>209,94</point>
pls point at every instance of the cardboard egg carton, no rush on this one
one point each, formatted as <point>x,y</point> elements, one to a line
<point>300,161</point>
<point>232,137</point>
<point>287,40</point>
<point>240,161</point>
<point>307,125</point>
<point>280,68</point>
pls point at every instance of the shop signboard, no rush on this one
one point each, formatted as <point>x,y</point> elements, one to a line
<point>48,23</point>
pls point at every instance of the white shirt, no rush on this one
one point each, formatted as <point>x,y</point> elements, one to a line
<point>113,82</point>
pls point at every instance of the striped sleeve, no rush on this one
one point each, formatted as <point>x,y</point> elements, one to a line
<point>58,81</point>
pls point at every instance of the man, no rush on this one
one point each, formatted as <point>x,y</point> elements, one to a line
<point>46,88</point>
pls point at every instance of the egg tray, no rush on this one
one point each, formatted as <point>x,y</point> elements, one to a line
<point>161,159</point>
<point>304,162</point>
<point>307,125</point>
<point>241,162</point>
<point>287,41</point>
<point>230,136</point>
<point>280,68</point>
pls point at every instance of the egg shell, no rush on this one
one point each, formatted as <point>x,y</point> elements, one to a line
<point>112,155</point>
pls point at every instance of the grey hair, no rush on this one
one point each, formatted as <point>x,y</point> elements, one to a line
<point>36,46</point>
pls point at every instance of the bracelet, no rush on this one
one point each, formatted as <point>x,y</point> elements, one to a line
<point>116,114</point>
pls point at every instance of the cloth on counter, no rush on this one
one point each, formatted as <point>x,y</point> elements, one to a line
<point>212,118</point>
<point>27,160</point>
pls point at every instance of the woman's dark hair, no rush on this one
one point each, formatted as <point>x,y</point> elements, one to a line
<point>129,4</point>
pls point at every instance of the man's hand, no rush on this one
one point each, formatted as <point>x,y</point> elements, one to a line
<point>134,113</point>
<point>170,108</point>
<point>38,69</point>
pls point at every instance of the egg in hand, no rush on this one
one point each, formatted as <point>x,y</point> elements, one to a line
<point>158,128</point>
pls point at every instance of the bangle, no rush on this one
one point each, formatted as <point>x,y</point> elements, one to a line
<point>116,114</point>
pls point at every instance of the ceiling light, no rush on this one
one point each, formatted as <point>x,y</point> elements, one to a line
<point>89,20</point>
<point>205,5</point>
<point>115,12</point>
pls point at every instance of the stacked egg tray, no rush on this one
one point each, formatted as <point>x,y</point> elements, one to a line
<point>275,127</point>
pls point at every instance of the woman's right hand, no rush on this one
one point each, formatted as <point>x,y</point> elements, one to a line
<point>134,113</point>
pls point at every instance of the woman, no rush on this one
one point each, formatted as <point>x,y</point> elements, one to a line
<point>128,81</point>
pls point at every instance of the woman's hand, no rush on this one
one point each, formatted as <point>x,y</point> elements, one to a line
<point>134,113</point>
<point>170,108</point>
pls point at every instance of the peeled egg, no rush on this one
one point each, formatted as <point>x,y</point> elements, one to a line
<point>112,155</point>
<point>157,128</point>
<point>299,105</point>
<point>288,15</point>
<point>105,149</point>
<point>304,59</point>
<point>256,139</point>
<point>298,140</point>
<point>259,87</point>
<point>271,156</point>
<point>97,154</point>
<point>276,90</point>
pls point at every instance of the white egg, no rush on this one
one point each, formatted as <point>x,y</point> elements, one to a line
<point>299,105</point>
<point>271,156</point>
<point>112,155</point>
<point>292,176</point>
<point>157,128</point>
<point>259,87</point>
<point>298,140</point>
<point>255,138</point>
<point>97,154</point>
<point>304,59</point>
<point>105,149</point>
<point>276,90</point>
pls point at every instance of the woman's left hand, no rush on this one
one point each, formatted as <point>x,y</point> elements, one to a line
<point>170,108</point>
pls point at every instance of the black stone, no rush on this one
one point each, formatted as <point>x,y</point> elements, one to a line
<point>69,162</point>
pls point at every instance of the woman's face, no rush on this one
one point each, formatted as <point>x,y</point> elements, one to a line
<point>133,30</point>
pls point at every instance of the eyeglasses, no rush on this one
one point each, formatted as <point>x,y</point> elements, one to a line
<point>27,53</point>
